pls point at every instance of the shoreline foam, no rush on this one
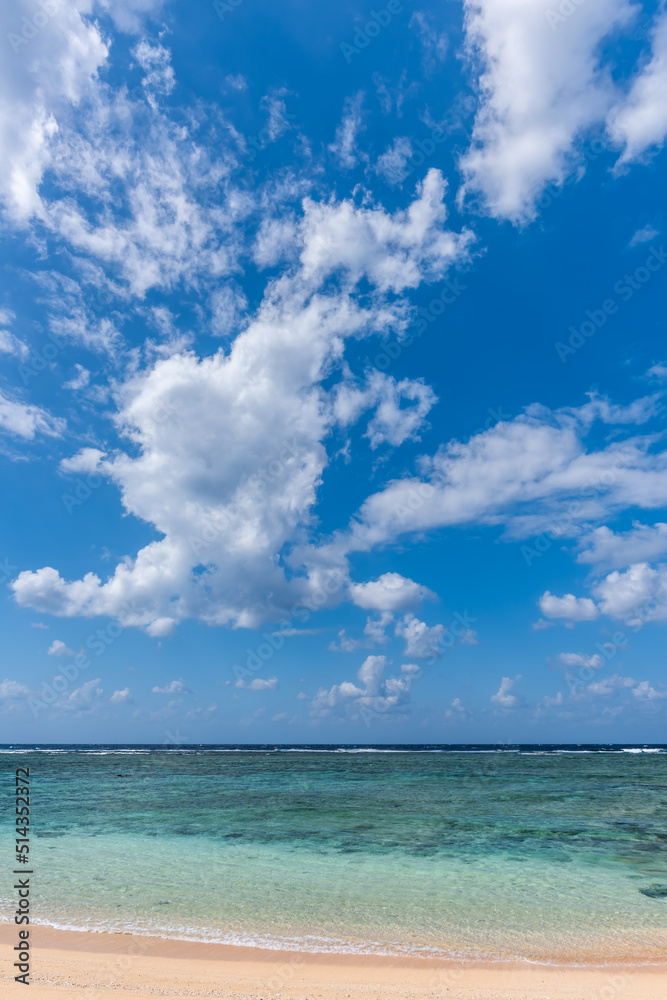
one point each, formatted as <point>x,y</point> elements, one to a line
<point>67,965</point>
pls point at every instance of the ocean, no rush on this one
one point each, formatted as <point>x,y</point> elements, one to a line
<point>533,853</point>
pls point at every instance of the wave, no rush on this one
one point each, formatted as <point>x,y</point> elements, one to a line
<point>317,944</point>
<point>203,749</point>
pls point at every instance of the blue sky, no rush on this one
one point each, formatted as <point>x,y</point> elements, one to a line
<point>333,371</point>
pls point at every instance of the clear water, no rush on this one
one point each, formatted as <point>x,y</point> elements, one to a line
<point>537,853</point>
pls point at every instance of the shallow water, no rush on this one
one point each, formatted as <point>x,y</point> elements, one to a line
<point>538,853</point>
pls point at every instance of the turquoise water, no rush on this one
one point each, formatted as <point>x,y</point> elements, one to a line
<point>537,853</point>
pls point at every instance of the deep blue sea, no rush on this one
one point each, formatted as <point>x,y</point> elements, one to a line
<point>541,853</point>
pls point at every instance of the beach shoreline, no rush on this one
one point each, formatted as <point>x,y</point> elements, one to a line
<point>75,964</point>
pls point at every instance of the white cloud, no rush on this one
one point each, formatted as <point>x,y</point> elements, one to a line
<point>575,609</point>
<point>393,163</point>
<point>639,594</point>
<point>121,697</point>
<point>421,641</point>
<point>644,235</point>
<point>80,380</point>
<point>155,60</point>
<point>25,421</point>
<point>434,43</point>
<point>376,695</point>
<point>160,627</point>
<point>59,648</point>
<point>456,710</point>
<point>47,75</point>
<point>601,547</point>
<point>9,344</point>
<point>82,698</point>
<point>237,82</point>
<point>541,89</point>
<point>549,701</point>
<point>658,371</point>
<point>469,637</point>
<point>174,687</point>
<point>259,684</point>
<point>344,147</point>
<point>645,692</point>
<point>503,696</point>
<point>275,109</point>
<point>374,634</point>
<point>228,306</point>
<point>580,660</point>
<point>532,473</point>
<point>130,15</point>
<point>374,629</point>
<point>85,460</point>
<point>390,592</point>
<point>639,122</point>
<point>400,407</point>
<point>226,512</point>
<point>609,685</point>
<point>12,689</point>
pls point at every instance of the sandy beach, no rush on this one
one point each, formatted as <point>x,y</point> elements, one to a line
<point>66,965</point>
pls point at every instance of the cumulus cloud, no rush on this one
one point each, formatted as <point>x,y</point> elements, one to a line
<point>542,86</point>
<point>580,660</point>
<point>646,692</point>
<point>121,697</point>
<point>50,73</point>
<point>224,513</point>
<point>59,648</point>
<point>503,695</point>
<point>575,609</point>
<point>638,123</point>
<point>400,407</point>
<point>12,689</point>
<point>258,684</point>
<point>390,592</point>
<point>421,640</point>
<point>81,699</point>
<point>80,380</point>
<point>374,629</point>
<point>9,344</point>
<point>638,595</point>
<point>456,710</point>
<point>609,685</point>
<point>533,473</point>
<point>26,421</point>
<point>84,461</point>
<point>374,695</point>
<point>174,687</point>
<point>550,701</point>
<point>603,548</point>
